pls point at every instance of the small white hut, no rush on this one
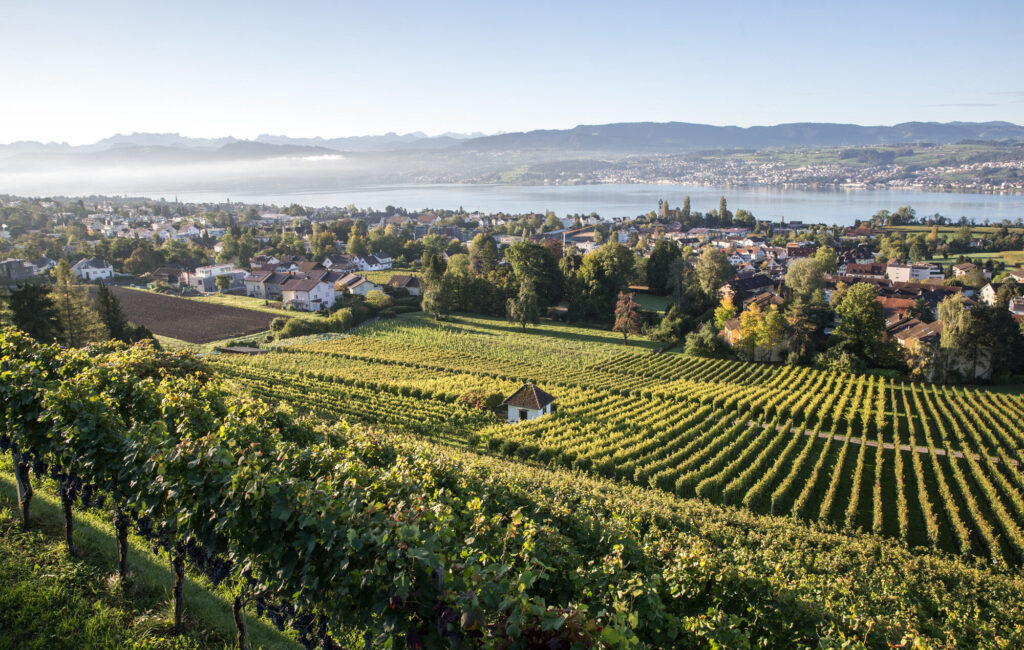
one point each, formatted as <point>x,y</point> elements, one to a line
<point>527,403</point>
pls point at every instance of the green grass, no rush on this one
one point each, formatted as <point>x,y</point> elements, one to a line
<point>1010,258</point>
<point>382,277</point>
<point>51,600</point>
<point>254,304</point>
<point>170,343</point>
<point>648,302</point>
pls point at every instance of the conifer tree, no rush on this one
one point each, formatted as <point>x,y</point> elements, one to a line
<point>79,323</point>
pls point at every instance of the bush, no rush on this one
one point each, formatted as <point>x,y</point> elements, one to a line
<point>378,299</point>
<point>278,323</point>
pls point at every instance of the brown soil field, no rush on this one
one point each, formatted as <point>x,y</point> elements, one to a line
<point>189,320</point>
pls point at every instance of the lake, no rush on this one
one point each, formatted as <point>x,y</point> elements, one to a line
<point>839,207</point>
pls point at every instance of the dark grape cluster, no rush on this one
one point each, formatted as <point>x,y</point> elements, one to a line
<point>38,467</point>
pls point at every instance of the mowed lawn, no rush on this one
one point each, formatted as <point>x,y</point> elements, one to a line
<point>189,320</point>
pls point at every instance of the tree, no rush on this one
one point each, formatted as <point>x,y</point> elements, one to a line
<point>800,328</point>
<point>535,263</point>
<point>323,244</point>
<point>685,211</point>
<point>358,246</point>
<point>713,270</point>
<point>483,254</point>
<point>826,256</point>
<point>434,300</point>
<point>723,211</point>
<point>705,342</point>
<point>627,316</point>
<point>34,312</point>
<point>921,310</point>
<point>524,307</point>
<point>605,273</point>
<point>223,282</point>
<point>79,323</point>
<point>673,327</point>
<point>726,310</point>
<point>860,320</point>
<point>108,307</point>
<point>659,265</point>
<point>805,276</point>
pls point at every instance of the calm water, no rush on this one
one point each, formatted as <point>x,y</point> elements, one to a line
<point>840,207</point>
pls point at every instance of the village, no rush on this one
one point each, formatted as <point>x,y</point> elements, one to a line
<point>315,260</point>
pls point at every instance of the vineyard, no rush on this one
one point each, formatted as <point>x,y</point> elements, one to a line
<point>356,538</point>
<point>933,466</point>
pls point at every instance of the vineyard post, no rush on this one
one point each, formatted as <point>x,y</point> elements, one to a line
<point>121,533</point>
<point>65,502</point>
<point>24,487</point>
<point>178,569</point>
<point>238,611</point>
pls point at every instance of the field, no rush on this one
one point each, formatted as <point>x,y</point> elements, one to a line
<point>273,308</point>
<point>189,320</point>
<point>932,466</point>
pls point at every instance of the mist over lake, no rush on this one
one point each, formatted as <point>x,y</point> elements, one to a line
<point>609,201</point>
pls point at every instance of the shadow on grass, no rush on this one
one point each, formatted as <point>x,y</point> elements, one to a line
<point>150,575</point>
<point>551,331</point>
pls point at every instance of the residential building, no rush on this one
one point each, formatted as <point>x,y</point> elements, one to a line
<point>93,268</point>
<point>307,293</point>
<point>408,282</point>
<point>914,272</point>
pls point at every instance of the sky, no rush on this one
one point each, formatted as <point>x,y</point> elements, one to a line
<point>77,72</point>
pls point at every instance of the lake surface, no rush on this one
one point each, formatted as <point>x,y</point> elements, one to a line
<point>839,207</point>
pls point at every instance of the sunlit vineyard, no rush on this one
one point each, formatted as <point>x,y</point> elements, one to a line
<point>934,466</point>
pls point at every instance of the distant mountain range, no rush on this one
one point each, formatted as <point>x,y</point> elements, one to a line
<point>676,137</point>
<point>612,139</point>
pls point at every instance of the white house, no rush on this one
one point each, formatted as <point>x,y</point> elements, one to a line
<point>307,294</point>
<point>355,284</point>
<point>93,268</point>
<point>913,272</point>
<point>528,403</point>
<point>375,262</point>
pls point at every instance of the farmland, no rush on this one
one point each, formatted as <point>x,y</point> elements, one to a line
<point>341,525</point>
<point>189,320</point>
<point>934,467</point>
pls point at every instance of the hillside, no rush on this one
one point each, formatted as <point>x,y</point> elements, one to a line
<point>384,536</point>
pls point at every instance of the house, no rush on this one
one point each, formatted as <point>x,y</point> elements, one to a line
<point>42,265</point>
<point>307,293</point>
<point>960,270</point>
<point>1017,306</point>
<point>408,282</point>
<point>914,272</point>
<point>990,293</point>
<point>264,284</point>
<point>93,268</point>
<point>731,331</point>
<point>170,275</point>
<point>375,262</point>
<point>356,284</point>
<point>528,403</point>
<point>868,271</point>
<point>1017,275</point>
<point>339,263</point>
<point>204,278</point>
<point>915,330</point>
<point>14,270</point>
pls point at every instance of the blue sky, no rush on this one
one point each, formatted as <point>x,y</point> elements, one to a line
<point>77,72</point>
